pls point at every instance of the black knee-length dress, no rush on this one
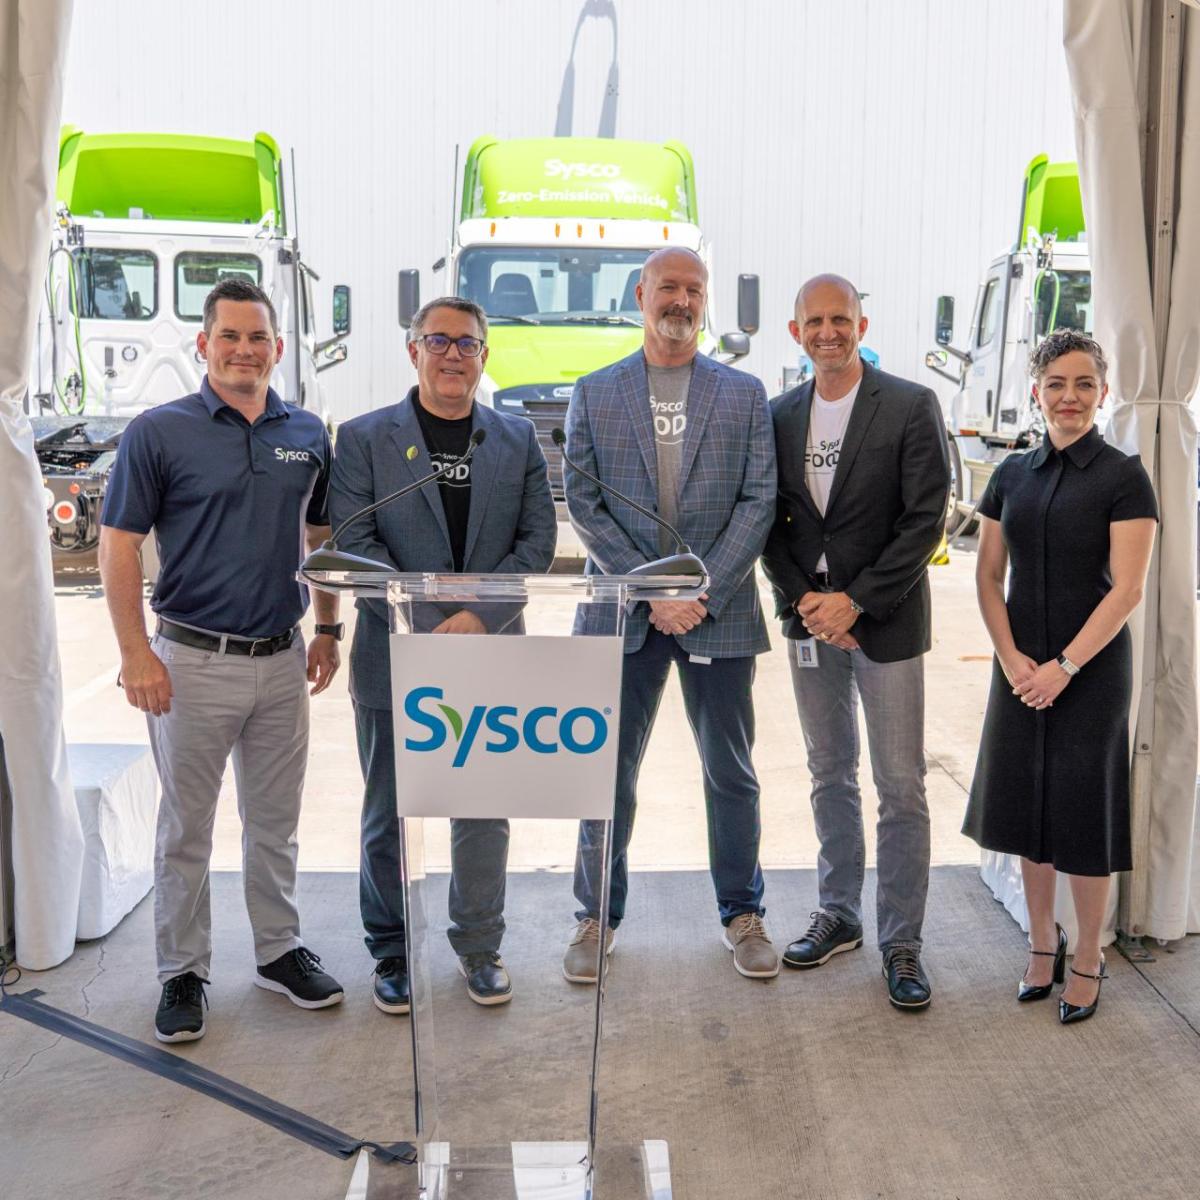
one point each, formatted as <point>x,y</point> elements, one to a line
<point>1053,786</point>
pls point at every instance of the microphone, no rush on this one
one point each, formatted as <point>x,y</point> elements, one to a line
<point>330,558</point>
<point>682,562</point>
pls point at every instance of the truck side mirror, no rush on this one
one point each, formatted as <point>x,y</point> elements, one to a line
<point>410,295</point>
<point>341,309</point>
<point>735,344</point>
<point>943,329</point>
<point>748,304</point>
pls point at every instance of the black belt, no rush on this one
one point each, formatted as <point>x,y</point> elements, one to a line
<point>253,647</point>
<point>821,581</point>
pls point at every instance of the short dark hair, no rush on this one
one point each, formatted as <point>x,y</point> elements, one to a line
<point>459,304</point>
<point>1066,341</point>
<point>241,290</point>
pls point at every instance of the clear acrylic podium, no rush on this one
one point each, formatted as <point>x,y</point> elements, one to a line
<point>520,724</point>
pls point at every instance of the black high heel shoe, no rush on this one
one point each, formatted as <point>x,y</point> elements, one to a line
<point>1028,991</point>
<point>1080,1012</point>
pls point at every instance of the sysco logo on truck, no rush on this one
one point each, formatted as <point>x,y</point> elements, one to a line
<point>557,169</point>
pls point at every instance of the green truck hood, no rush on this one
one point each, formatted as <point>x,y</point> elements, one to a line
<point>521,354</point>
<point>170,177</point>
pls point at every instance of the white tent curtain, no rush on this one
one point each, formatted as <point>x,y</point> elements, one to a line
<point>47,845</point>
<point>1155,353</point>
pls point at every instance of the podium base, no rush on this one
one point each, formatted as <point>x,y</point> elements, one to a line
<point>521,1171</point>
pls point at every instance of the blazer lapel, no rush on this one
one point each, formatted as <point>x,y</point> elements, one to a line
<point>866,404</point>
<point>637,401</point>
<point>484,464</point>
<point>406,434</point>
<point>701,398</point>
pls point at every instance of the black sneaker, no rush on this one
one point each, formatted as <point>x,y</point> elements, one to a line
<point>907,984</point>
<point>298,975</point>
<point>180,1015</point>
<point>827,935</point>
<point>487,980</point>
<point>391,986</point>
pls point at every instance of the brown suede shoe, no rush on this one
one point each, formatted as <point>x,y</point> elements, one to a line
<point>753,954</point>
<point>582,958</point>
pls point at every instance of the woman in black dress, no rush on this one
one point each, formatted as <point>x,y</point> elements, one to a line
<point>1075,518</point>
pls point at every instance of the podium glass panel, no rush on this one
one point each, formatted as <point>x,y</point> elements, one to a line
<point>515,728</point>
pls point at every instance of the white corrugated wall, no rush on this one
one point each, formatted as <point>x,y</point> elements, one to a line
<point>884,139</point>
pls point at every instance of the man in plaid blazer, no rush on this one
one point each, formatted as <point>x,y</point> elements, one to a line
<point>692,439</point>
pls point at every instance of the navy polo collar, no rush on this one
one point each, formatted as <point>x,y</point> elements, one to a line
<point>1080,452</point>
<point>214,403</point>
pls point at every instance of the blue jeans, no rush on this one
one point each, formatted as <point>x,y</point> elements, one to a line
<point>478,856</point>
<point>893,699</point>
<point>720,709</point>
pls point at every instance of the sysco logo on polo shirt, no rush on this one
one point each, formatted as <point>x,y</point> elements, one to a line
<point>501,728</point>
<point>291,455</point>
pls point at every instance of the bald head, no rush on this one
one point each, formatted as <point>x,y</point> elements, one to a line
<point>672,294</point>
<point>829,325</point>
<point>821,284</point>
<point>673,256</point>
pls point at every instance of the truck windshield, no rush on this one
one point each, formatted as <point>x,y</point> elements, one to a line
<point>116,285</point>
<point>1063,300</point>
<point>553,285</point>
<point>197,272</point>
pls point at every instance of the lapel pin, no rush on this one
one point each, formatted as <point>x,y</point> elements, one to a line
<point>411,453</point>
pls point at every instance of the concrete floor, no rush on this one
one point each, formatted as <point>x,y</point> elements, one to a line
<point>806,1086</point>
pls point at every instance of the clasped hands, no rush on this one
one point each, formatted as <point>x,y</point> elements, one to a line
<point>1037,686</point>
<point>677,616</point>
<point>828,616</point>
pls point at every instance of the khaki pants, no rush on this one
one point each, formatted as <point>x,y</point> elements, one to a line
<point>255,709</point>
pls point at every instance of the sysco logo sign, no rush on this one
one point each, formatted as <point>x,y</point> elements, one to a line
<point>501,728</point>
<point>557,169</point>
<point>291,455</point>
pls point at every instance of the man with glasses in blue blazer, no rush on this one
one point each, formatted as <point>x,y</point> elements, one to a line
<point>493,513</point>
<point>690,438</point>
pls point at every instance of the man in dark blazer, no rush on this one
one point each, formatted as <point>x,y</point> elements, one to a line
<point>863,481</point>
<point>493,514</point>
<point>691,438</point>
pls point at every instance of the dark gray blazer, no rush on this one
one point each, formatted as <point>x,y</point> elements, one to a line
<point>884,519</point>
<point>511,528</point>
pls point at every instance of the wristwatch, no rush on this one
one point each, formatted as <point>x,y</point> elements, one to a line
<point>854,604</point>
<point>337,632</point>
<point>1067,665</point>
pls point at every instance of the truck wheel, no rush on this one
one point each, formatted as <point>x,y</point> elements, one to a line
<point>957,523</point>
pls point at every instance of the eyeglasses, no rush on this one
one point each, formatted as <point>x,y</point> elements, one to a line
<point>439,343</point>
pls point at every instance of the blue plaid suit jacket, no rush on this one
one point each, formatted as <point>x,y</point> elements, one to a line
<point>726,492</point>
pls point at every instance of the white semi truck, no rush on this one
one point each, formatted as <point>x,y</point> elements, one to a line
<point>550,239</point>
<point>1042,283</point>
<point>146,225</point>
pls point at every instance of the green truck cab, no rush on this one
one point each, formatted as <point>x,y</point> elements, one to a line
<point>147,224</point>
<point>1041,283</point>
<point>550,238</point>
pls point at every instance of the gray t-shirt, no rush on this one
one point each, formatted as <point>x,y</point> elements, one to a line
<point>668,409</point>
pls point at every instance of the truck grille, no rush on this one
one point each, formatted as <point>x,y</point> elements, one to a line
<point>547,412</point>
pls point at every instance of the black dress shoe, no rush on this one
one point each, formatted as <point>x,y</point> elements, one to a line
<point>1069,1013</point>
<point>391,986</point>
<point>487,980</point>
<point>826,936</point>
<point>1029,991</point>
<point>907,984</point>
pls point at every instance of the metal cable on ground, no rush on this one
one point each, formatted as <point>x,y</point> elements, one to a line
<point>301,1126</point>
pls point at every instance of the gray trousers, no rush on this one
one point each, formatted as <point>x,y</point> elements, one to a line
<point>255,709</point>
<point>893,699</point>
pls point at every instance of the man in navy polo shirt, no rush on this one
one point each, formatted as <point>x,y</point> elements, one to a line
<point>234,483</point>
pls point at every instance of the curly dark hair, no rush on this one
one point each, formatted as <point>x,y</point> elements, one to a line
<point>1064,341</point>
